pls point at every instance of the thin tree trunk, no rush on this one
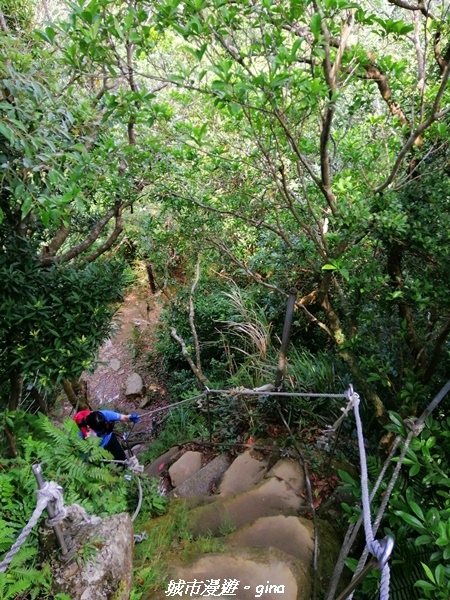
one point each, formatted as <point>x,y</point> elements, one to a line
<point>197,372</point>
<point>78,402</point>
<point>10,435</point>
<point>151,277</point>
<point>15,394</point>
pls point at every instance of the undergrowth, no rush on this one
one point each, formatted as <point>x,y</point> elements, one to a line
<point>74,464</point>
<point>181,425</point>
<point>169,540</point>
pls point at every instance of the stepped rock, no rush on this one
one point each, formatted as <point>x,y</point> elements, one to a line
<point>292,535</point>
<point>245,472</point>
<point>188,464</point>
<point>291,472</point>
<point>154,469</point>
<point>269,498</point>
<point>203,480</point>
<point>257,572</point>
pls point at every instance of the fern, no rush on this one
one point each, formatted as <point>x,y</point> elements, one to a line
<point>76,464</point>
<point>20,579</point>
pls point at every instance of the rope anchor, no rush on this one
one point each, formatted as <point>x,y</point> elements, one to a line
<point>381,551</point>
<point>49,497</point>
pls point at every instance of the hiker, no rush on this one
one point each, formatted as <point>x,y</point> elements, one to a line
<point>101,424</point>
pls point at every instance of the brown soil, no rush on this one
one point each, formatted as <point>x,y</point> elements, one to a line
<point>130,349</point>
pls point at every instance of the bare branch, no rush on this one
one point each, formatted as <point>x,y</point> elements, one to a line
<point>414,7</point>
<point>418,132</point>
<point>89,240</point>
<point>184,351</point>
<point>373,73</point>
<point>109,242</point>
<point>3,25</point>
<point>192,314</point>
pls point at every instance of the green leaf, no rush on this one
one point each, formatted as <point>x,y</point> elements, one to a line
<point>410,519</point>
<point>346,477</point>
<point>417,510</point>
<point>439,574</point>
<point>316,22</point>
<point>396,418</point>
<point>423,540</point>
<point>428,572</point>
<point>6,132</point>
<point>425,585</point>
<point>414,470</point>
<point>329,267</point>
<point>26,206</point>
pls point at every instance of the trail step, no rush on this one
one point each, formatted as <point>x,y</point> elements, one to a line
<point>202,481</point>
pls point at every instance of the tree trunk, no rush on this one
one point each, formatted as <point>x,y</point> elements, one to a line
<point>15,395</point>
<point>11,437</point>
<point>39,402</point>
<point>79,402</point>
<point>151,277</point>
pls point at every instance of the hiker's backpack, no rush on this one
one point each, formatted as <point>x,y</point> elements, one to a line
<point>80,420</point>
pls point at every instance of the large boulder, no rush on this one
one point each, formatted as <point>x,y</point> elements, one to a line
<point>134,386</point>
<point>101,561</point>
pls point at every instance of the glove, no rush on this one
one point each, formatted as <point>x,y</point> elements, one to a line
<point>134,418</point>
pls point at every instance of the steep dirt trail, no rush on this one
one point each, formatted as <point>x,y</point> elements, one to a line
<point>126,352</point>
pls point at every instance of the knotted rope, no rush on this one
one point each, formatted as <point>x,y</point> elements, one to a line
<point>50,492</point>
<point>380,551</point>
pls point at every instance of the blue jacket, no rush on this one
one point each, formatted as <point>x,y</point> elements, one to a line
<point>110,417</point>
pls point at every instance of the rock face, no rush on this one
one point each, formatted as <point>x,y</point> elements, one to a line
<point>203,480</point>
<point>185,467</point>
<point>101,567</point>
<point>245,472</point>
<point>134,386</point>
<point>292,535</point>
<point>255,573</point>
<point>161,463</point>
<point>254,516</point>
<point>269,498</point>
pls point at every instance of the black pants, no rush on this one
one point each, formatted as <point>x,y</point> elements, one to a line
<point>115,448</point>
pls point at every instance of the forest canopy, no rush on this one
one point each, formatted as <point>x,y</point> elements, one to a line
<point>289,144</point>
<point>245,151</point>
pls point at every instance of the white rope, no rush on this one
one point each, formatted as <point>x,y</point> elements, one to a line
<point>138,508</point>
<point>345,411</point>
<point>374,546</point>
<point>50,492</point>
<point>78,514</point>
<point>132,463</point>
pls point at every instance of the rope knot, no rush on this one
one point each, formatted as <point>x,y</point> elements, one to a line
<point>410,423</point>
<point>52,492</point>
<point>382,551</point>
<point>132,463</point>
